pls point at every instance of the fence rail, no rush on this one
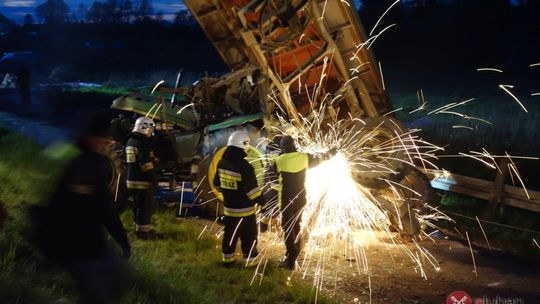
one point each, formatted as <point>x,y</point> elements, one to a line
<point>494,192</point>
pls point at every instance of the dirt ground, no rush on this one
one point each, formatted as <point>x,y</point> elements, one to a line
<point>399,281</point>
<point>396,278</point>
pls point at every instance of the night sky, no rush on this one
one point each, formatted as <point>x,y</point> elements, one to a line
<point>16,9</point>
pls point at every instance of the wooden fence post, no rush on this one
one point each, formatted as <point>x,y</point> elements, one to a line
<point>495,196</point>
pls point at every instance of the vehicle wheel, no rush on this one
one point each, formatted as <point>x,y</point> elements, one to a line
<point>406,201</point>
<point>376,150</point>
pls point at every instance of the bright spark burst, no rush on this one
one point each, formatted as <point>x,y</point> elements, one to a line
<point>337,205</point>
<point>341,216</point>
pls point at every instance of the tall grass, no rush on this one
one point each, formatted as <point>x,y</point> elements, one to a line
<point>180,268</point>
<point>499,234</point>
<point>509,128</point>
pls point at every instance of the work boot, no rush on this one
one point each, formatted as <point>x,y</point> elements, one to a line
<point>146,235</point>
<point>145,232</point>
<point>287,264</point>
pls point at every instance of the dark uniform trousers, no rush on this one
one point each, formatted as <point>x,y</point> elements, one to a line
<point>291,214</point>
<point>141,179</point>
<point>244,228</point>
<point>292,167</point>
<point>143,205</point>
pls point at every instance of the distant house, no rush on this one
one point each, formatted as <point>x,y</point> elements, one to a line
<point>6,26</point>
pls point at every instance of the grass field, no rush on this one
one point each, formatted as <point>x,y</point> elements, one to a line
<point>176,269</point>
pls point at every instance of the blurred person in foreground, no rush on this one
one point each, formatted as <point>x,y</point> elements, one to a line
<point>69,227</point>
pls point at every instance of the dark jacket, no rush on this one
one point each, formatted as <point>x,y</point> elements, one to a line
<point>236,179</point>
<point>140,165</point>
<point>80,207</point>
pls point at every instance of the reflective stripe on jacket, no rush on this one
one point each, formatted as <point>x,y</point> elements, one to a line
<point>235,178</point>
<point>140,165</point>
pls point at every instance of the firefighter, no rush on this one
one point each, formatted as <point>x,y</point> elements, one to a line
<point>291,167</point>
<point>141,176</point>
<point>235,178</point>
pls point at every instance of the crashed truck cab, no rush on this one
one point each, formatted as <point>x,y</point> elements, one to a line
<point>288,61</point>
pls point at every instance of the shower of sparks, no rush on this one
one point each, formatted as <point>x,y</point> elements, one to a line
<point>445,108</point>
<point>151,109</point>
<point>382,16</point>
<point>342,217</point>
<point>506,88</point>
<point>462,127</point>
<point>382,77</point>
<point>536,243</point>
<point>184,107</point>
<point>202,232</point>
<point>157,109</point>
<point>534,64</point>
<point>378,35</point>
<point>483,232</point>
<point>514,169</point>
<point>421,101</point>
<point>472,253</point>
<point>535,94</point>
<point>489,69</point>
<point>157,86</point>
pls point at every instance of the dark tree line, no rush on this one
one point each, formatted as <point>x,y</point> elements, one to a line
<point>103,12</point>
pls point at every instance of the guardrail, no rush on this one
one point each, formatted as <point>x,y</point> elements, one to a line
<point>494,192</point>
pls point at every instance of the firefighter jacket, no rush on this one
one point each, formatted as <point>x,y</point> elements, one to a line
<point>291,168</point>
<point>140,165</point>
<point>236,179</point>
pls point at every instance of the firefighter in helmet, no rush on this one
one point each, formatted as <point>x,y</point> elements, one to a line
<point>291,167</point>
<point>237,182</point>
<point>141,175</point>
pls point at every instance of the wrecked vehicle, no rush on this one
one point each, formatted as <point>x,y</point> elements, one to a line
<point>289,61</point>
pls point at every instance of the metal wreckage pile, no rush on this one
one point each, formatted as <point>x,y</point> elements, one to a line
<point>307,65</point>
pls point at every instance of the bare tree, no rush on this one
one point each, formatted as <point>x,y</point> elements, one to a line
<point>127,11</point>
<point>53,11</point>
<point>144,10</point>
<point>82,9</point>
<point>96,12</point>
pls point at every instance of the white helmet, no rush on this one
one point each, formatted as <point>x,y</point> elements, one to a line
<point>239,139</point>
<point>144,125</point>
